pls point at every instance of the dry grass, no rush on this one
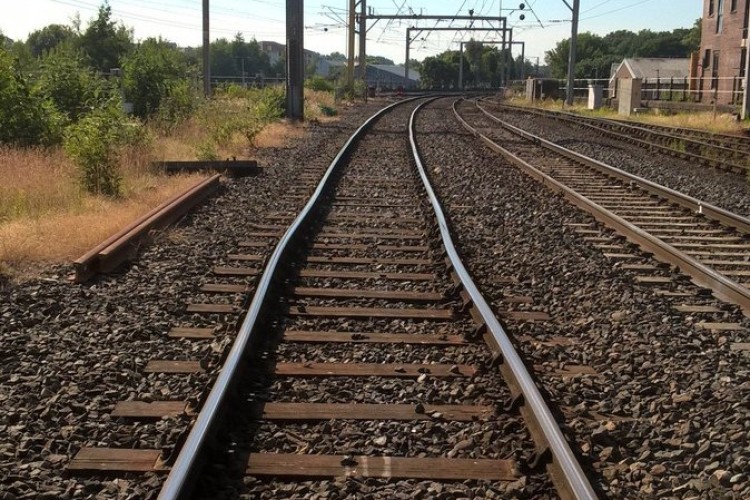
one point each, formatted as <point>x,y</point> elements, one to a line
<point>279,135</point>
<point>45,217</point>
<point>29,182</point>
<point>61,237</point>
<point>722,123</point>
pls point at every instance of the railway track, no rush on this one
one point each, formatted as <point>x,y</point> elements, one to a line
<point>361,357</point>
<point>706,242</point>
<point>725,152</point>
<point>375,333</point>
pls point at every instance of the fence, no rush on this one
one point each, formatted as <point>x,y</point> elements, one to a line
<point>725,90</point>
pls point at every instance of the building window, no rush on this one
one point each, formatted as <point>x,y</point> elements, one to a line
<point>710,7</point>
<point>733,6</point>
<point>715,70</point>
<point>719,16</point>
<point>743,56</point>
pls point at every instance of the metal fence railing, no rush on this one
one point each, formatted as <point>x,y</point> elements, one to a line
<point>706,90</point>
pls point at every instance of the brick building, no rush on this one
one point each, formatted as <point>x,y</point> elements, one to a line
<point>721,62</point>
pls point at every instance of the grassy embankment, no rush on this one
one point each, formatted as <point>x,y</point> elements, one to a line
<point>46,217</point>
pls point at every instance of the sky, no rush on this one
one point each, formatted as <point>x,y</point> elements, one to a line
<point>546,21</point>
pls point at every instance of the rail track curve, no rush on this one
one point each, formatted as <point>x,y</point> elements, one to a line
<point>552,448</point>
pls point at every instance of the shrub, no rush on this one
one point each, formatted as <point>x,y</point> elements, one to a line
<point>206,151</point>
<point>70,84</point>
<point>151,74</point>
<point>25,118</point>
<point>328,110</point>
<point>178,106</point>
<point>319,83</point>
<point>93,143</point>
<point>270,104</point>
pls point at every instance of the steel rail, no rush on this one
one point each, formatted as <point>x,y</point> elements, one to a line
<point>572,483</point>
<point>708,210</point>
<point>591,123</point>
<point>187,462</point>
<point>722,286</point>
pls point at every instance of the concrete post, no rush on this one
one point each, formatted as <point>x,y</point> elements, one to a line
<point>629,96</point>
<point>596,93</point>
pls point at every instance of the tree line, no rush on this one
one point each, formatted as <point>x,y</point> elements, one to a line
<point>596,54</point>
<point>66,85</point>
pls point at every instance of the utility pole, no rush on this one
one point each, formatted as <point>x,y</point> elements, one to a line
<point>746,91</point>
<point>363,43</point>
<point>206,53</point>
<point>350,45</point>
<point>461,67</point>
<point>295,60</point>
<point>572,54</point>
<point>406,61</point>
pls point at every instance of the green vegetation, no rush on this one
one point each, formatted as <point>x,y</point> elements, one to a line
<point>93,143</point>
<point>152,73</point>
<point>319,83</point>
<point>64,88</point>
<point>596,54</point>
<point>482,67</point>
<point>238,112</point>
<point>26,118</point>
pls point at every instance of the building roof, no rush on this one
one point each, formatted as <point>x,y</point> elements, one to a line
<point>655,67</point>
<point>397,70</point>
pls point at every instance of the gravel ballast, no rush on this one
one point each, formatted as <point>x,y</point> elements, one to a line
<point>663,416</point>
<point>70,352</point>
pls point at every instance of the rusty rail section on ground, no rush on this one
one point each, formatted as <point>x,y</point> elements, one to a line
<point>722,286</point>
<point>123,245</point>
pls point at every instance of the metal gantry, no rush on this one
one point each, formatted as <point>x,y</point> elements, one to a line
<point>409,39</point>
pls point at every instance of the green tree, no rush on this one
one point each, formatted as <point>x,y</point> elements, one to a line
<point>335,56</point>
<point>69,83</point>
<point>490,63</point>
<point>229,58</point>
<point>380,60</point>
<point>441,71</point>
<point>44,40</point>
<point>692,37</point>
<point>5,42</point>
<point>150,74</point>
<point>595,55</point>
<point>25,118</point>
<point>473,51</point>
<point>105,41</point>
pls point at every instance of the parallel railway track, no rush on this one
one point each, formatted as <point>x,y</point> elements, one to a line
<point>724,152</point>
<point>707,243</point>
